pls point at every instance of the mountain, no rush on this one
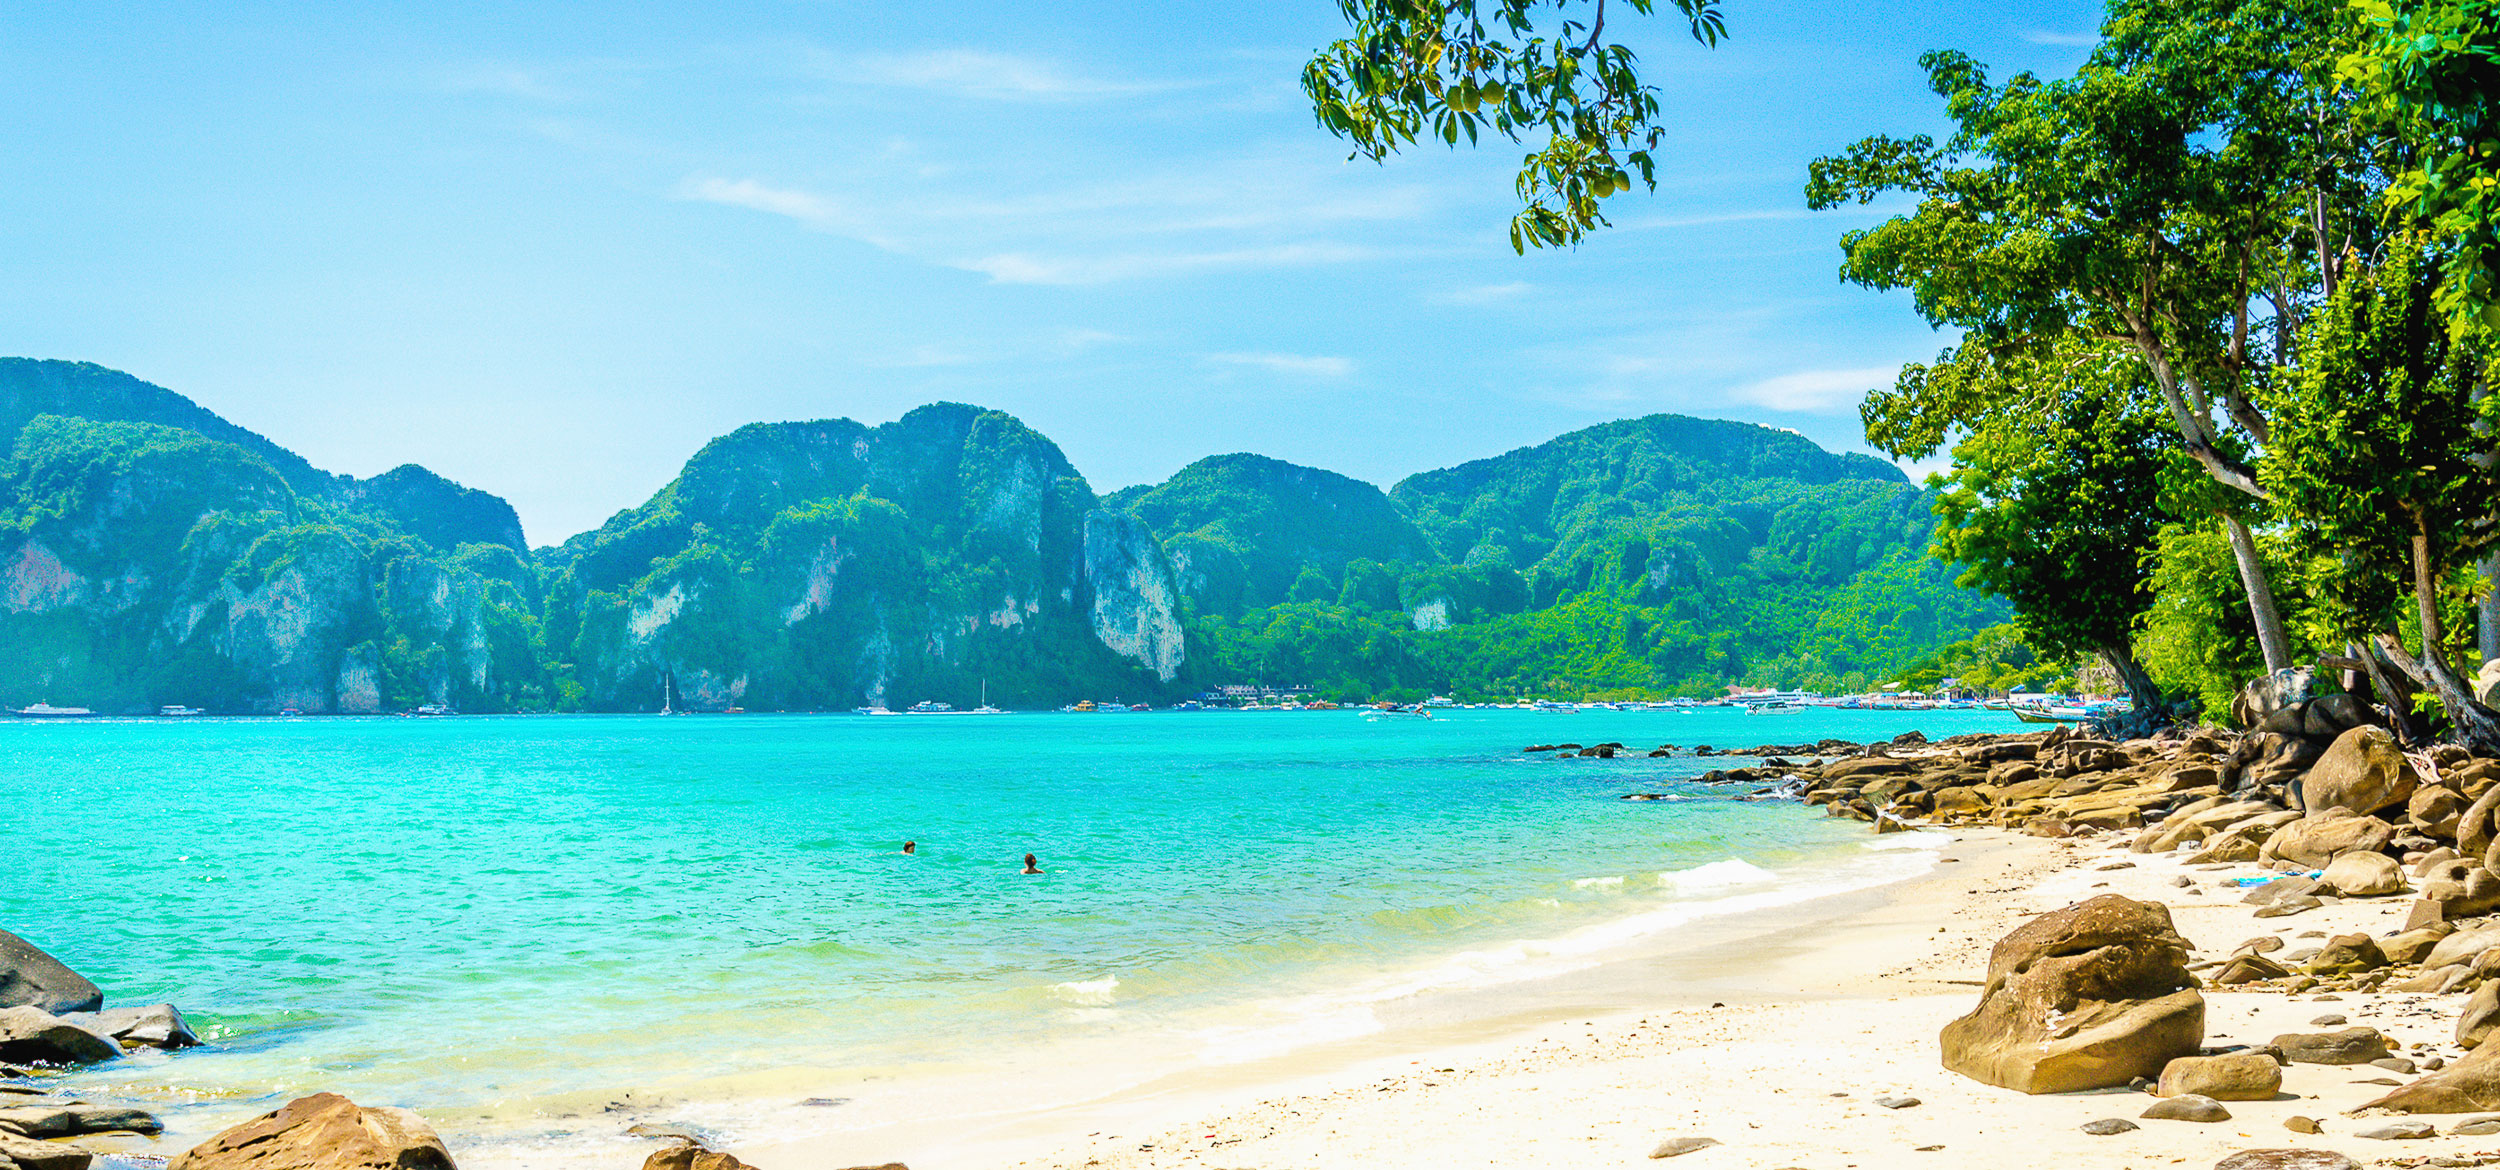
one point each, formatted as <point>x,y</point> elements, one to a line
<point>153,553</point>
<point>829,564</point>
<point>1243,530</point>
<point>1657,555</point>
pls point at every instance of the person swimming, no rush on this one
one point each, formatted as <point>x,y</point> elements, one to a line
<point>1032,864</point>
<point>910,848</point>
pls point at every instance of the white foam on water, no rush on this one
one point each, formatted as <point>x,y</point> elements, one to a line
<point>1088,992</point>
<point>1734,871</point>
<point>1346,1014</point>
<point>1597,883</point>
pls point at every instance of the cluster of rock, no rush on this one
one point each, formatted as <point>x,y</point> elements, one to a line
<point>1771,753</point>
<point>51,1015</point>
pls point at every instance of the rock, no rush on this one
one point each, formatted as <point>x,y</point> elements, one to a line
<point>2299,1124</point>
<point>2471,1085</point>
<point>1670,1148</point>
<point>2268,893</point>
<point>2287,1160</point>
<point>2480,1013</point>
<point>2462,946</point>
<point>2109,1125</point>
<point>2363,770</point>
<point>692,1156</point>
<point>2347,954</point>
<point>2394,1064</point>
<point>2249,969</point>
<point>1898,1102</point>
<point>31,978</point>
<point>29,1154</point>
<point>2350,1046</point>
<point>2233,1076</point>
<point>2296,904</point>
<point>2328,1020</point>
<point>322,1132</point>
<point>2476,1126</point>
<point>2435,811</point>
<point>157,1025</point>
<point>2263,944</point>
<point>2412,945</point>
<point>36,1036</point>
<point>71,1120</point>
<point>2086,997</point>
<point>2364,875</point>
<point>2187,1107</point>
<point>2319,838</point>
<point>2398,1131</point>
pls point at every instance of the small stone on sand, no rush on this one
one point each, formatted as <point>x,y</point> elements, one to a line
<point>1897,1102</point>
<point>2187,1107</point>
<point>2298,1124</point>
<point>2109,1125</point>
<point>1676,1147</point>
<point>2395,1131</point>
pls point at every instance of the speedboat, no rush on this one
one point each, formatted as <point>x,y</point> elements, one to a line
<point>177,710</point>
<point>931,707</point>
<point>879,709</point>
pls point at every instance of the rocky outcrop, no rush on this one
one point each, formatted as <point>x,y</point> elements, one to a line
<point>1136,609</point>
<point>31,1035</point>
<point>30,977</point>
<point>2094,995</point>
<point>2363,771</point>
<point>322,1132</point>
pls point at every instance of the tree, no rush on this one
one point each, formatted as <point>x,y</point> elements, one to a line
<point>2383,465</point>
<point>2199,163</point>
<point>2052,500</point>
<point>1448,68</point>
<point>2433,68</point>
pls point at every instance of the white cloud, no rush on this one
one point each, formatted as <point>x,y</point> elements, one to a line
<point>1288,363</point>
<point>1816,391</point>
<point>2065,40</point>
<point>1030,268</point>
<point>977,73</point>
<point>1485,294</point>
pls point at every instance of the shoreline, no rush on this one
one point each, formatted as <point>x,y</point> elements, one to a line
<point>1030,1104</point>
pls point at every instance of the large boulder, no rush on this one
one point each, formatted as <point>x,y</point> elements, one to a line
<point>31,1035</point>
<point>2481,1011</point>
<point>322,1132</point>
<point>2232,1076</point>
<point>2319,838</point>
<point>689,1156</point>
<point>156,1025</point>
<point>28,1154</point>
<point>2363,770</point>
<point>2355,1045</point>
<point>31,978</point>
<point>2471,1085</point>
<point>2090,996</point>
<point>2363,875</point>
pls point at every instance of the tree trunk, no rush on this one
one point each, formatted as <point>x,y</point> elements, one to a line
<point>2476,726</point>
<point>2270,639</point>
<point>2140,689</point>
<point>2396,699</point>
<point>2487,612</point>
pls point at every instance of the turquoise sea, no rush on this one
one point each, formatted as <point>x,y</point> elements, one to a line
<point>517,913</point>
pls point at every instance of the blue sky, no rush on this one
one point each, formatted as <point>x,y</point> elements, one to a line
<point>549,250</point>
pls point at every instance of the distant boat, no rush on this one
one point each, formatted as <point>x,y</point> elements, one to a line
<point>1775,709</point>
<point>1112,708</point>
<point>931,707</point>
<point>985,708</point>
<point>2043,714</point>
<point>1082,707</point>
<point>434,709</point>
<point>48,711</point>
<point>879,709</point>
<point>1396,713</point>
<point>177,710</point>
<point>290,712</point>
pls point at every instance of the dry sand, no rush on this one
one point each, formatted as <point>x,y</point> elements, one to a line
<point>1793,1081</point>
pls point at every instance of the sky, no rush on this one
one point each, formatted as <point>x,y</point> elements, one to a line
<point>549,250</point>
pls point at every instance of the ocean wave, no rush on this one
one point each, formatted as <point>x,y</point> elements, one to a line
<point>1734,871</point>
<point>1088,992</point>
<point>1597,883</point>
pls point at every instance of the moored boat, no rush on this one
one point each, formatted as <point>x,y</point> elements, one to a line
<point>48,711</point>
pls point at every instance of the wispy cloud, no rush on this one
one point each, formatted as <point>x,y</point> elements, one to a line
<point>1484,294</point>
<point>1240,213</point>
<point>2066,40</point>
<point>989,76</point>
<point>1301,365</point>
<point>1816,391</point>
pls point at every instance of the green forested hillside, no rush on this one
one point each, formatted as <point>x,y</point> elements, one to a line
<point>829,564</point>
<point>1654,555</point>
<point>152,553</point>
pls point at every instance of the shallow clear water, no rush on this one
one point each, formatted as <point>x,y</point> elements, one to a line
<point>477,911</point>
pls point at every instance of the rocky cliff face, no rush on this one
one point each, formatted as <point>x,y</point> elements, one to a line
<point>152,553</point>
<point>829,565</point>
